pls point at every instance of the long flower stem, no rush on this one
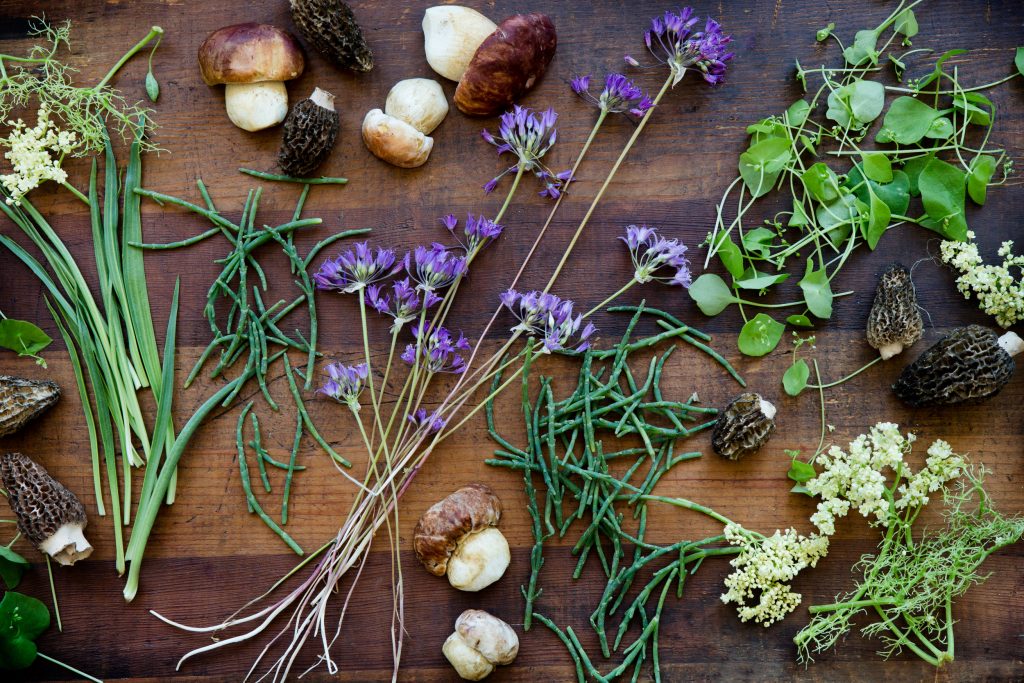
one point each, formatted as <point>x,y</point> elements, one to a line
<point>844,379</point>
<point>625,288</point>
<point>607,181</point>
<point>153,33</point>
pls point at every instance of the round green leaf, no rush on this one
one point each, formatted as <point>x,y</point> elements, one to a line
<point>795,379</point>
<point>878,221</point>
<point>858,103</point>
<point>711,294</point>
<point>762,163</point>
<point>760,335</point>
<point>798,320</point>
<point>877,167</point>
<point>152,86</point>
<point>896,194</point>
<point>12,567</point>
<point>729,254</point>
<point>906,23</point>
<point>821,182</point>
<point>22,337</point>
<point>864,49</point>
<point>983,167</point>
<point>817,291</point>
<point>943,189</point>
<point>941,129</point>
<point>798,112</point>
<point>22,620</point>
<point>908,120</point>
<point>1018,60</point>
<point>800,471</point>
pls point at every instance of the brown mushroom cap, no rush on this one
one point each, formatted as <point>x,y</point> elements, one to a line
<point>472,508</point>
<point>250,53</point>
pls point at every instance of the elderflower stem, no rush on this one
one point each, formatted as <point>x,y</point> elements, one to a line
<point>153,33</point>
<point>608,180</point>
<point>75,191</point>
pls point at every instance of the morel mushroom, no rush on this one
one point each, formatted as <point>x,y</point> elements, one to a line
<point>309,134</point>
<point>480,642</point>
<point>23,399</point>
<point>458,537</point>
<point>895,321</point>
<point>507,64</point>
<point>743,427</point>
<point>49,515</point>
<point>252,61</point>
<point>331,27</point>
<point>968,365</point>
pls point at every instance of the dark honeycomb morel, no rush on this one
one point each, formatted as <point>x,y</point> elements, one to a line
<point>895,321</point>
<point>743,426</point>
<point>331,28</point>
<point>23,399</point>
<point>309,134</point>
<point>968,365</point>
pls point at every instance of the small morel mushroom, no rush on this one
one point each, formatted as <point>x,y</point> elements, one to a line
<point>23,399</point>
<point>458,537</point>
<point>895,321</point>
<point>480,642</point>
<point>49,515</point>
<point>332,29</point>
<point>743,427</point>
<point>309,134</point>
<point>968,365</point>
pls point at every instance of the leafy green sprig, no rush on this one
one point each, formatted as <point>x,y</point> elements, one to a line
<point>923,148</point>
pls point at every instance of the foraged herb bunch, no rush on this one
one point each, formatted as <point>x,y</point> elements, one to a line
<point>569,448</point>
<point>842,188</point>
<point>911,582</point>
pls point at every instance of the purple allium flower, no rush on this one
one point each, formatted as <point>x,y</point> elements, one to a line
<point>346,383</point>
<point>580,84</point>
<point>432,422</point>
<point>478,231</point>
<point>651,252</point>
<point>672,41</point>
<point>356,269</point>
<point>620,95</point>
<point>438,350</point>
<point>550,317</point>
<point>434,267</point>
<point>403,304</point>
<point>528,136</point>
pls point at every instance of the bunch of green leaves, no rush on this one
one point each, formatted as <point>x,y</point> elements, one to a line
<point>910,583</point>
<point>24,338</point>
<point>569,448</point>
<point>87,111</point>
<point>839,190</point>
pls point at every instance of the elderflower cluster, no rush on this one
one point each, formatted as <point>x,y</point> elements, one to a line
<point>942,465</point>
<point>35,154</point>
<point>999,292</point>
<point>759,586</point>
<point>854,478</point>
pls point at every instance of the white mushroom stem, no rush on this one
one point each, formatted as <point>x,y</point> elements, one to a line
<point>768,409</point>
<point>1011,343</point>
<point>67,545</point>
<point>468,663</point>
<point>479,560</point>
<point>481,641</point>
<point>322,98</point>
<point>887,351</point>
<point>255,106</point>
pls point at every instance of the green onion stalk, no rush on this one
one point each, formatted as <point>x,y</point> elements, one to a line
<point>400,445</point>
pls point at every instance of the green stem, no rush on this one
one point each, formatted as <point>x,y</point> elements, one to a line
<point>153,33</point>
<point>511,192</point>
<point>68,667</point>
<point>848,377</point>
<point>613,297</point>
<point>75,191</point>
<point>852,604</point>
<point>53,594</point>
<point>323,180</point>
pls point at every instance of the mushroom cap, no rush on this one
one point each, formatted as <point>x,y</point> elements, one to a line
<point>472,508</point>
<point>480,559</point>
<point>395,141</point>
<point>743,427</point>
<point>487,634</point>
<point>250,53</point>
<point>23,399</point>
<point>895,321</point>
<point>309,134</point>
<point>968,365</point>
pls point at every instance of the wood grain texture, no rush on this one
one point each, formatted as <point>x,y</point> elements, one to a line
<point>207,557</point>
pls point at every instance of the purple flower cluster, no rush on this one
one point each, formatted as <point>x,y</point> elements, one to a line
<point>429,421</point>
<point>673,41</point>
<point>651,252</point>
<point>549,317</point>
<point>434,267</point>
<point>404,302</point>
<point>346,383</point>
<point>437,349</point>
<point>528,136</point>
<point>620,95</point>
<point>357,268</point>
<point>478,231</point>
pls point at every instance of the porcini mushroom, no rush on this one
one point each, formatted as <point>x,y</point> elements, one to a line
<point>49,515</point>
<point>743,427</point>
<point>252,61</point>
<point>457,537</point>
<point>895,321</point>
<point>332,29</point>
<point>23,399</point>
<point>451,36</point>
<point>309,134</point>
<point>480,642</point>
<point>968,365</point>
<point>395,141</point>
<point>420,102</point>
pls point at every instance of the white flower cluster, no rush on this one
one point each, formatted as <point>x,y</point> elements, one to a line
<point>941,466</point>
<point>854,478</point>
<point>999,292</point>
<point>35,155</point>
<point>764,567</point>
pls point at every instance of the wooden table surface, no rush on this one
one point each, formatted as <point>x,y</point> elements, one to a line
<point>207,556</point>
